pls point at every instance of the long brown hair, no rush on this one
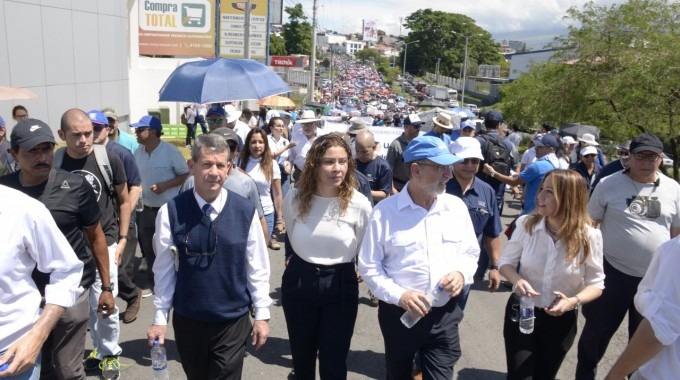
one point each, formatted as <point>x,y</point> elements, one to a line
<point>266,161</point>
<point>571,196</point>
<point>308,181</point>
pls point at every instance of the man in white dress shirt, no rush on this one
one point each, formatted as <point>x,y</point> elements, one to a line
<point>415,240</point>
<point>211,267</point>
<point>304,138</point>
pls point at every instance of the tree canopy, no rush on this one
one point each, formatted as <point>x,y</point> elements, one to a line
<point>617,69</point>
<point>297,32</point>
<point>435,32</point>
<point>277,45</point>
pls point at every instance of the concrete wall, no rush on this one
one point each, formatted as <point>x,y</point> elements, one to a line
<point>71,53</point>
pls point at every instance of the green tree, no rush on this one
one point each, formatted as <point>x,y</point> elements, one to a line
<point>297,32</point>
<point>435,31</point>
<point>616,69</point>
<point>277,45</point>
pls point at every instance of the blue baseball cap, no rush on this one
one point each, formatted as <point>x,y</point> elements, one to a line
<point>216,110</point>
<point>468,124</point>
<point>148,121</point>
<point>547,140</point>
<point>429,148</point>
<point>97,117</point>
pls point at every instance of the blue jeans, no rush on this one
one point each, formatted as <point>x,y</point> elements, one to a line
<point>32,373</point>
<point>270,223</point>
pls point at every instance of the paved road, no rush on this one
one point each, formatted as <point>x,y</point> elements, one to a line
<point>481,338</point>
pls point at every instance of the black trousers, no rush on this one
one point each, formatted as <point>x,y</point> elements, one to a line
<point>146,223</point>
<point>211,350</point>
<point>435,338</point>
<point>320,304</point>
<point>538,355</point>
<point>603,317</point>
<point>191,133</point>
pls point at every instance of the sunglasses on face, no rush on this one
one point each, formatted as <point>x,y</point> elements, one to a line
<point>141,129</point>
<point>214,121</point>
<point>474,161</point>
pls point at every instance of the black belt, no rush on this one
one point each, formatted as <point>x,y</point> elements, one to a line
<point>321,269</point>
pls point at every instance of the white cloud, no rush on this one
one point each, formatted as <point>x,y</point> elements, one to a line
<point>495,16</point>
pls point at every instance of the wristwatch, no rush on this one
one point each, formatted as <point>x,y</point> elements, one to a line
<point>493,267</point>
<point>107,288</point>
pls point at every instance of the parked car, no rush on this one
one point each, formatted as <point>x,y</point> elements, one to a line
<point>667,161</point>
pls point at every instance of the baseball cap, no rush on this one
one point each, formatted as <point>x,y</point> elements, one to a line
<point>110,113</point>
<point>97,117</point>
<point>148,121</point>
<point>229,135</point>
<point>547,140</point>
<point>646,141</point>
<point>588,150</point>
<point>494,115</point>
<point>2,122</point>
<point>429,148</point>
<point>568,140</point>
<point>624,145</point>
<point>28,133</point>
<point>216,110</point>
<point>468,124</point>
<point>414,120</point>
<point>466,147</point>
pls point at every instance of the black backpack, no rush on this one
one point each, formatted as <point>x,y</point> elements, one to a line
<point>496,154</point>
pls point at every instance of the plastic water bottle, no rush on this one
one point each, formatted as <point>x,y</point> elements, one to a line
<point>526,315</point>
<point>139,207</point>
<point>409,320</point>
<point>159,362</point>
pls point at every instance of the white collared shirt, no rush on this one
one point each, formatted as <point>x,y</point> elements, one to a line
<point>543,262</point>
<point>298,154</point>
<point>407,247</point>
<point>31,238</point>
<point>257,271</point>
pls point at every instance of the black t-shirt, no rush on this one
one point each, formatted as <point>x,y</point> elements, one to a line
<point>87,168</point>
<point>73,206</point>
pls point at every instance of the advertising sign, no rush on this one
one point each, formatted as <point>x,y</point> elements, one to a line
<point>177,28</point>
<point>370,30</point>
<point>232,25</point>
<point>289,60</point>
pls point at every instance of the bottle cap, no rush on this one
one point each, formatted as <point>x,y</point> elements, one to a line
<point>155,342</point>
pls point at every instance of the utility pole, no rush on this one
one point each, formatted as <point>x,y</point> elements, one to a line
<point>332,79</point>
<point>246,32</point>
<point>437,70</point>
<point>312,64</point>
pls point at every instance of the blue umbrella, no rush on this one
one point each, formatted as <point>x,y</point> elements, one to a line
<point>221,80</point>
<point>467,111</point>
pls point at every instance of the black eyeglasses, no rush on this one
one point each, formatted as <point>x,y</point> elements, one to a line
<point>214,121</point>
<point>652,157</point>
<point>211,251</point>
<point>474,161</point>
<point>141,129</point>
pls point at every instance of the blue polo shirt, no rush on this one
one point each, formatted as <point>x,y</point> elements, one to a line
<point>480,200</point>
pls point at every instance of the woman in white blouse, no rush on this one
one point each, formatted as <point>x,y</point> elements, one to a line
<point>257,161</point>
<point>279,146</point>
<point>559,254</point>
<point>326,219</point>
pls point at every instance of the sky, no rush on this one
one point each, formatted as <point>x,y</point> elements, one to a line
<point>502,18</point>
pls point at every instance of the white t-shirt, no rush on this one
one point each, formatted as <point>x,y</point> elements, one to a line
<point>241,130</point>
<point>263,186</point>
<point>275,146</point>
<point>529,156</point>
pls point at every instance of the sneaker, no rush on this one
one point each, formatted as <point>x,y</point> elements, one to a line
<point>91,362</point>
<point>273,244</point>
<point>110,367</point>
<point>133,308</point>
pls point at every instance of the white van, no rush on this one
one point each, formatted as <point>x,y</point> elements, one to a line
<point>453,94</point>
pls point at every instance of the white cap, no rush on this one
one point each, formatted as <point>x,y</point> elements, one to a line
<point>466,147</point>
<point>231,113</point>
<point>588,150</point>
<point>568,140</point>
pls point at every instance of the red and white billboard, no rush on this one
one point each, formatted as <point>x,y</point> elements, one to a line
<point>288,60</point>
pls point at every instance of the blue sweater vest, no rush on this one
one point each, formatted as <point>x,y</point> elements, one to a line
<point>211,287</point>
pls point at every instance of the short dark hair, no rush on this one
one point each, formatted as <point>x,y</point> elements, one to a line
<point>17,108</point>
<point>212,141</point>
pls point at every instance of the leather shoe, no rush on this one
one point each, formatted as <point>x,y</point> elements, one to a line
<point>133,308</point>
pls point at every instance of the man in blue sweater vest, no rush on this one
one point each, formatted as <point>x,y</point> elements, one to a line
<point>211,267</point>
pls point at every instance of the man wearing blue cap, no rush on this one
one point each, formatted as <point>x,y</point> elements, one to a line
<point>163,171</point>
<point>408,250</point>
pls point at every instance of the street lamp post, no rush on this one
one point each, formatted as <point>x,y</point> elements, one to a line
<point>405,51</point>
<point>465,62</point>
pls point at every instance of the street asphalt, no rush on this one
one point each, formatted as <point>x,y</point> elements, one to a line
<point>483,353</point>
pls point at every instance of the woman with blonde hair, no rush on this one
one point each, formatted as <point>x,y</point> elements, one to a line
<point>256,160</point>
<point>559,254</point>
<point>326,219</point>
